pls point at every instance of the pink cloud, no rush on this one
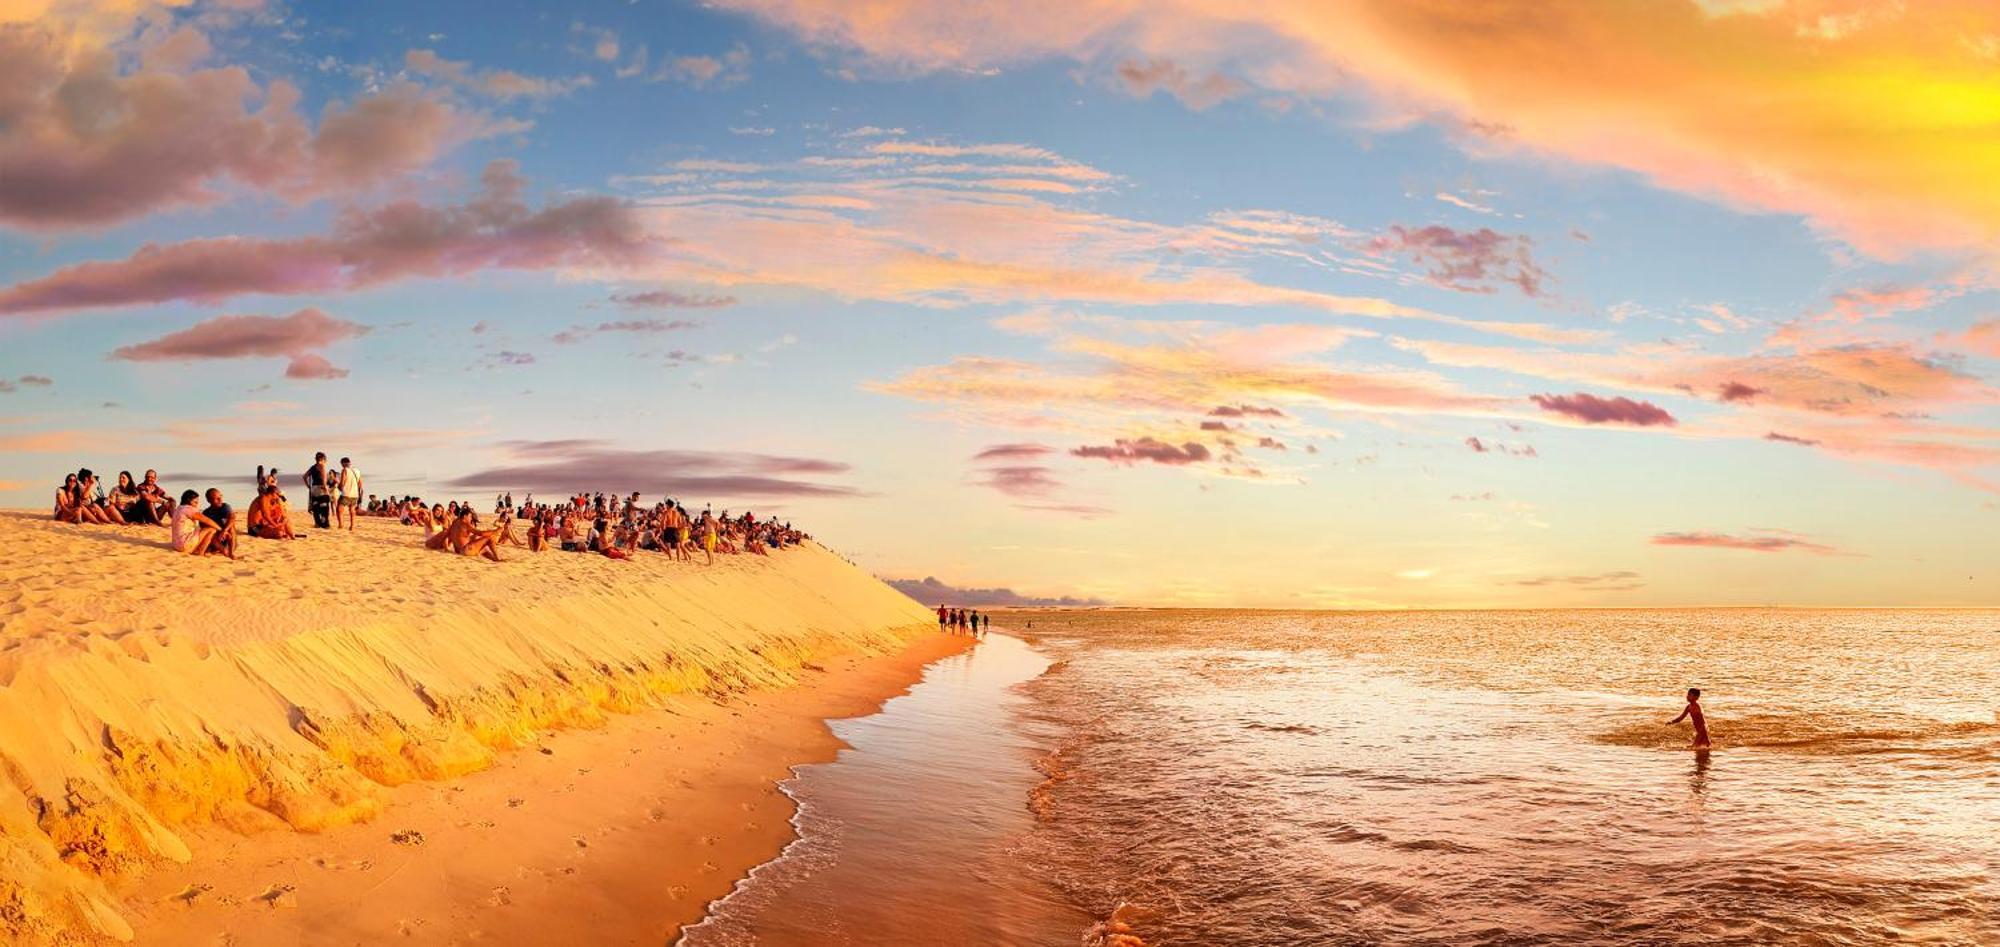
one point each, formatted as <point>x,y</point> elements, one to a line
<point>1472,261</point>
<point>245,337</point>
<point>1770,541</point>
<point>669,299</point>
<point>1591,409</point>
<point>1142,79</point>
<point>313,367</point>
<point>1129,452</point>
<point>397,241</point>
<point>1014,452</point>
<point>86,144</point>
<point>1480,446</point>
<point>1738,391</point>
<point>1245,410</point>
<point>581,332</point>
<point>1789,439</point>
<point>1029,482</point>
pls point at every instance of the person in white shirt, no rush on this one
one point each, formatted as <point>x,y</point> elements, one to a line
<point>349,487</point>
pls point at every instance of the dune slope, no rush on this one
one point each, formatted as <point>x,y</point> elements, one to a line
<point>143,693</point>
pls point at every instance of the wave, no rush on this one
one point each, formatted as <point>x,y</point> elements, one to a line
<point>1821,735</point>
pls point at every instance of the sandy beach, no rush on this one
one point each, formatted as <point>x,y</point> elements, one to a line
<point>347,738</point>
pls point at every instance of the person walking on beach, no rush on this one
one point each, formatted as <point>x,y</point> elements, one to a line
<point>318,500</point>
<point>349,484</point>
<point>941,617</point>
<point>1693,714</point>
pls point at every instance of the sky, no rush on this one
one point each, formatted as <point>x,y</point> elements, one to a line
<point>1332,304</point>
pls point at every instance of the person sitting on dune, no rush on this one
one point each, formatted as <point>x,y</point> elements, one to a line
<point>224,518</point>
<point>163,505</point>
<point>66,511</point>
<point>128,503</point>
<point>191,532</point>
<point>464,537</point>
<point>267,517</point>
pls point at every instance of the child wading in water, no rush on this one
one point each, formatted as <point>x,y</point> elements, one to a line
<point>1693,715</point>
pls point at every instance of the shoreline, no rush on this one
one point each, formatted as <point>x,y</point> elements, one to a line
<point>674,807</point>
<point>161,713</point>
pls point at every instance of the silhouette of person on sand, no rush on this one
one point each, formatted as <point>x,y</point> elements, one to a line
<point>1693,715</point>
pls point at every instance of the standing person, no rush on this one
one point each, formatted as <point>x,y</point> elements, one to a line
<point>708,536</point>
<point>348,482</point>
<point>941,618</point>
<point>320,498</point>
<point>988,619</point>
<point>1692,713</point>
<point>972,622</point>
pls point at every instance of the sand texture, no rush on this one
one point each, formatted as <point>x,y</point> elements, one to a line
<point>154,706</point>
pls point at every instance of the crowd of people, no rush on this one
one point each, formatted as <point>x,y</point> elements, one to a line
<point>963,621</point>
<point>600,524</point>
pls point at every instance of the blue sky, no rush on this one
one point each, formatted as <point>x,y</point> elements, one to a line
<point>985,293</point>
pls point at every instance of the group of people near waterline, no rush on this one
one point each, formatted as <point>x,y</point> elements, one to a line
<point>963,621</point>
<point>601,524</point>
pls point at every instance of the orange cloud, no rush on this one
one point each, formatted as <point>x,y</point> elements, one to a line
<point>1873,121</point>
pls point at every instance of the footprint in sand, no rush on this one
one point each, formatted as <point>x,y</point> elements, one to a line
<point>580,843</point>
<point>280,896</point>
<point>499,897</point>
<point>189,894</point>
<point>677,892</point>
<point>409,925</point>
<point>655,814</point>
<point>408,837</point>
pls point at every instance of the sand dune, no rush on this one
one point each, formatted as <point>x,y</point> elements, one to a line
<point>148,698</point>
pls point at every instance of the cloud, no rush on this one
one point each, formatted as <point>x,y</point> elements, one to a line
<point>32,381</point>
<point>1738,391</point>
<point>1765,541</point>
<point>1142,79</point>
<point>559,467</point>
<point>401,240</point>
<point>669,299</point>
<point>492,83</point>
<point>1621,581</point>
<point>954,224</point>
<point>87,144</point>
<point>1470,261</point>
<point>1495,447</point>
<point>930,591</point>
<point>297,337</point>
<point>245,337</point>
<point>1014,452</point>
<point>1244,411</point>
<point>579,333</point>
<point>313,367</point>
<point>1022,482</point>
<point>1132,451</point>
<point>1789,439</point>
<point>1465,203</point>
<point>1866,123</point>
<point>1591,409</point>
<point>702,71</point>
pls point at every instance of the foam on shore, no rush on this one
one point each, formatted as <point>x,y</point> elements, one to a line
<point>142,693</point>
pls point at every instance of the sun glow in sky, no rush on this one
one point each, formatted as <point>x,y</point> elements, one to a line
<point>1347,303</point>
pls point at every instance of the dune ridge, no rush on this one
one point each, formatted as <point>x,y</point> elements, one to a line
<point>143,694</point>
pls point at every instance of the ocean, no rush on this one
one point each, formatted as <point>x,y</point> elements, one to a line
<point>1138,777</point>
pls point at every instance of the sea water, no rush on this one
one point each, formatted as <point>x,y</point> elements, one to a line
<point>1130,777</point>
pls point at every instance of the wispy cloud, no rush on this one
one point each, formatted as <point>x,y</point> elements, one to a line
<point>582,465</point>
<point>1762,541</point>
